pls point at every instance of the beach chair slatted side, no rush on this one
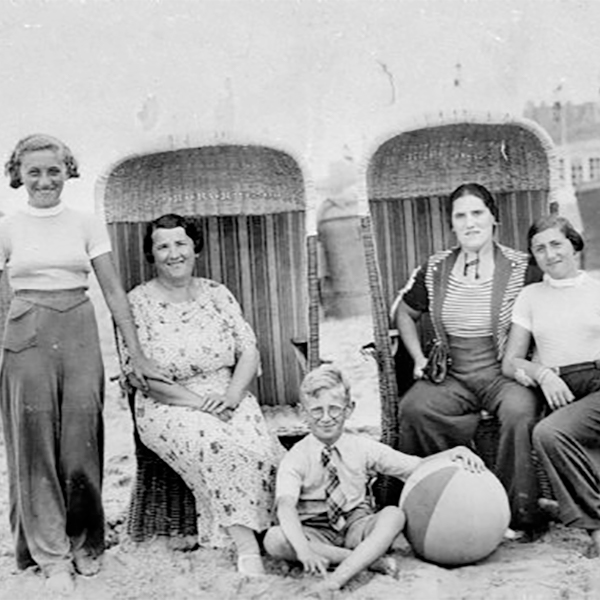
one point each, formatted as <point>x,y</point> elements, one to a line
<point>409,178</point>
<point>249,202</point>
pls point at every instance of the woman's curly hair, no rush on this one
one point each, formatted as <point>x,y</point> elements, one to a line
<point>33,143</point>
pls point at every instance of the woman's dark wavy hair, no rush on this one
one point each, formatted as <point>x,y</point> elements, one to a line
<point>33,143</point>
<point>171,221</point>
<point>554,222</point>
<point>474,189</point>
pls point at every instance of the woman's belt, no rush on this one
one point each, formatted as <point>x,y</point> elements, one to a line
<point>575,368</point>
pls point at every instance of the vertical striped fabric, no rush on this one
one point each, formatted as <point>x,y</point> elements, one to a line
<point>409,230</point>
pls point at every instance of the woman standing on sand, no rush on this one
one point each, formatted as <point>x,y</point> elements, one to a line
<point>52,376</point>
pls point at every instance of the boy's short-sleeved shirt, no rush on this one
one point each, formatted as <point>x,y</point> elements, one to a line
<point>357,458</point>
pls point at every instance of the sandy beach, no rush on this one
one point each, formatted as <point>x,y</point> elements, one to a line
<point>554,567</point>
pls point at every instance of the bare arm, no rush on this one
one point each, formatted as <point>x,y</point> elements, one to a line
<point>291,526</point>
<point>243,374</point>
<point>178,395</point>
<point>171,393</point>
<point>406,319</point>
<point>515,365</point>
<point>116,300</point>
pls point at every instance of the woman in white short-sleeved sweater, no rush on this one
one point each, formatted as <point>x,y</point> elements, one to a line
<point>52,377</point>
<point>561,315</point>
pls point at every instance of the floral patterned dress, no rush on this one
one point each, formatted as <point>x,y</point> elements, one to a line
<point>229,466</point>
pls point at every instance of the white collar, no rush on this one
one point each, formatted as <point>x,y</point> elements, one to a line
<point>565,283</point>
<point>44,212</point>
<point>335,445</point>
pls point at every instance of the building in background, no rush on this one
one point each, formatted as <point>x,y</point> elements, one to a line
<point>575,129</point>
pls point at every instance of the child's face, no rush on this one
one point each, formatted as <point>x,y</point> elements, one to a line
<point>326,414</point>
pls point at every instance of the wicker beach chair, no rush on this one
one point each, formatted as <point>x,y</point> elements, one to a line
<point>408,178</point>
<point>250,201</point>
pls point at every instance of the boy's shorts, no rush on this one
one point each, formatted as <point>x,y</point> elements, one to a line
<point>359,524</point>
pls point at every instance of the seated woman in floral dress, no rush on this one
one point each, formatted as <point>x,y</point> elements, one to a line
<point>206,424</point>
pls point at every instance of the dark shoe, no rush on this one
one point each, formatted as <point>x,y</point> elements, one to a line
<point>527,534</point>
<point>550,508</point>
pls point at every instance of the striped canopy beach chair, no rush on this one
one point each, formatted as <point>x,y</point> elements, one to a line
<point>251,203</point>
<point>408,179</point>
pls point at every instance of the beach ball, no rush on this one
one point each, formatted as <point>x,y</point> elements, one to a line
<point>453,516</point>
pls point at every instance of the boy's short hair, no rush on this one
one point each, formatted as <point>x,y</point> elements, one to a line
<point>327,377</point>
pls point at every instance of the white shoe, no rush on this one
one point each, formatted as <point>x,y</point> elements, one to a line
<point>513,535</point>
<point>250,565</point>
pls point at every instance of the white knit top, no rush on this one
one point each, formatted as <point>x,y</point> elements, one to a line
<point>51,248</point>
<point>564,318</point>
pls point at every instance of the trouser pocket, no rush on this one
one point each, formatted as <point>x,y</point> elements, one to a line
<point>21,326</point>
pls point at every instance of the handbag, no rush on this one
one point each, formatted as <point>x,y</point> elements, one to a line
<point>438,362</point>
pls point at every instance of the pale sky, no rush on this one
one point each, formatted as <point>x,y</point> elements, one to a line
<point>324,79</point>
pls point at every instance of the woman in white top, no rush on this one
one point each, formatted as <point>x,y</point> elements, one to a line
<point>561,315</point>
<point>52,376</point>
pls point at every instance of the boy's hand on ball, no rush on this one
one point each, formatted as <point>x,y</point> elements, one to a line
<point>468,459</point>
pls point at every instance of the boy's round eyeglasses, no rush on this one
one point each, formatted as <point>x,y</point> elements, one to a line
<point>318,412</point>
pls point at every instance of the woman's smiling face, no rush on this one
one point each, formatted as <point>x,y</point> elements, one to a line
<point>173,252</point>
<point>554,253</point>
<point>43,173</point>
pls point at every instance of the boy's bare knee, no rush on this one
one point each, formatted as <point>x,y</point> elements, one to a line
<point>277,545</point>
<point>394,517</point>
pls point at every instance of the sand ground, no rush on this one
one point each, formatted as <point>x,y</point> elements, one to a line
<point>554,567</point>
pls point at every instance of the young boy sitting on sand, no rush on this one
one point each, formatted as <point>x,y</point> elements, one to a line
<point>324,515</point>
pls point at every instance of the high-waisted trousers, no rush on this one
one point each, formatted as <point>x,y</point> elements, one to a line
<point>51,398</point>
<point>435,417</point>
<point>568,444</point>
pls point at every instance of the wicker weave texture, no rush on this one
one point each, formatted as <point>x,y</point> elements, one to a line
<point>161,503</point>
<point>432,161</point>
<point>209,180</point>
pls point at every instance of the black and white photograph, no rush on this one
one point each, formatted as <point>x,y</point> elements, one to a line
<point>300,299</point>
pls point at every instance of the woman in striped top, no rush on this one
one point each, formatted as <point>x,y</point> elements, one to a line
<point>469,292</point>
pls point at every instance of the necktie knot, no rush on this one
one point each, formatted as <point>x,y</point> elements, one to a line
<point>326,455</point>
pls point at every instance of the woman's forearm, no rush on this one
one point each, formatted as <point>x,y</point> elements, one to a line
<point>407,329</point>
<point>243,373</point>
<point>117,302</point>
<point>534,371</point>
<point>172,393</point>
<point>121,313</point>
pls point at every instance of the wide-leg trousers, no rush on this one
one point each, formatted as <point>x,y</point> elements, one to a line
<point>435,417</point>
<point>568,444</point>
<point>51,398</point>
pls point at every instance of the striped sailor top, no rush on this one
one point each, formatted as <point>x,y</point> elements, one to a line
<point>466,311</point>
